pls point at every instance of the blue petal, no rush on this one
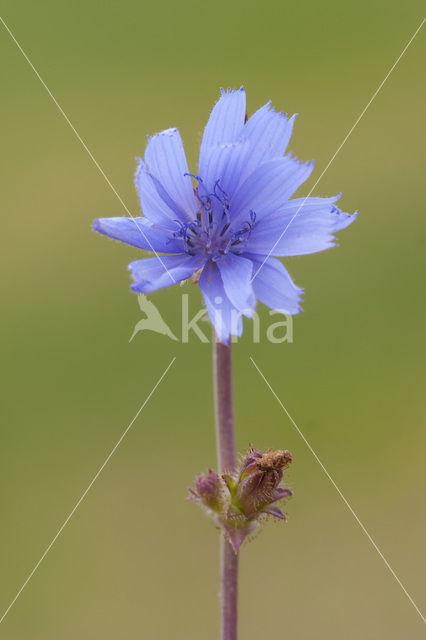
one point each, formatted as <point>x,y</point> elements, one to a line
<point>224,125</point>
<point>236,275</point>
<point>224,166</point>
<point>268,188</point>
<point>155,203</point>
<point>226,319</point>
<point>162,271</point>
<point>138,232</point>
<point>273,285</point>
<point>166,161</point>
<point>301,226</point>
<point>264,137</point>
<point>268,133</point>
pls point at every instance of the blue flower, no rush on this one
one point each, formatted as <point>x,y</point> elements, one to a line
<point>228,231</point>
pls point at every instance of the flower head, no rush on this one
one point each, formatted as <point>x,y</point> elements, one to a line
<point>239,502</point>
<point>227,224</point>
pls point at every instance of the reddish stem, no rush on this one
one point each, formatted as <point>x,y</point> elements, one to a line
<point>225,442</point>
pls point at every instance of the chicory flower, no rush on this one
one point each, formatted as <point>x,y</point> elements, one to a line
<point>226,226</point>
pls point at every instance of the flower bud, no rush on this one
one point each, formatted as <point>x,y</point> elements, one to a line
<point>207,490</point>
<point>238,502</point>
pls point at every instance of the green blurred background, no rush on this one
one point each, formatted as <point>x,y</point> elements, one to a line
<point>136,561</point>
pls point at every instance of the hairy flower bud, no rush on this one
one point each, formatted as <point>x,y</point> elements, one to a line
<point>238,502</point>
<point>207,490</point>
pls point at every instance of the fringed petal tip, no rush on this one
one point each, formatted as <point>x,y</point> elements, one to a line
<point>229,91</point>
<point>296,311</point>
<point>343,220</point>
<point>171,131</point>
<point>309,164</point>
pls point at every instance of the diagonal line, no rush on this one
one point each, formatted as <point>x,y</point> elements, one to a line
<point>84,494</point>
<point>339,492</point>
<point>80,139</point>
<point>344,140</point>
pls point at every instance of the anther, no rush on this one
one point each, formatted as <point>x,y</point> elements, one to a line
<point>225,229</point>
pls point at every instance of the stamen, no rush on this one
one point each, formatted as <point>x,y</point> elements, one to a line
<point>210,234</point>
<point>192,175</point>
<point>224,199</point>
<point>225,228</point>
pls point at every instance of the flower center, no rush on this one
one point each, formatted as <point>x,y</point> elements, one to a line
<point>212,232</point>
